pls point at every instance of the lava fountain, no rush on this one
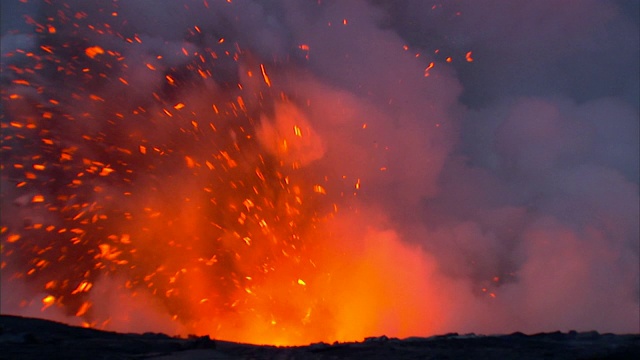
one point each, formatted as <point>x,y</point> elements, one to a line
<point>286,172</point>
<point>187,190</point>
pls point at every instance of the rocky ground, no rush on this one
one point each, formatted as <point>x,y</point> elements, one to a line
<point>28,338</point>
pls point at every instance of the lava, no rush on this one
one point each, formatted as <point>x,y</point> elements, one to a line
<point>199,200</point>
<point>287,172</point>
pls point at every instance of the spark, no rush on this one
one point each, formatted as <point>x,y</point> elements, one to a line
<point>468,57</point>
<point>426,70</point>
<point>83,309</point>
<point>297,131</point>
<point>265,76</point>
<point>93,51</point>
<point>48,301</point>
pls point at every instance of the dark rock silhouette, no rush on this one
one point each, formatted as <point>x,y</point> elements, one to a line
<point>29,338</point>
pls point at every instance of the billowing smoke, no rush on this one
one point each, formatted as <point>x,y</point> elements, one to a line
<point>468,166</point>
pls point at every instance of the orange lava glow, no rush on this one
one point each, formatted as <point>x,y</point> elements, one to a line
<point>200,209</point>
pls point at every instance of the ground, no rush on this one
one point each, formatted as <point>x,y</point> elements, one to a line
<point>28,338</point>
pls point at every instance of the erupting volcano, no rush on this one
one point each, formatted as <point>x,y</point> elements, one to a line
<point>291,172</point>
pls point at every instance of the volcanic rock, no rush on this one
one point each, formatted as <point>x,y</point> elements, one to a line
<point>28,338</point>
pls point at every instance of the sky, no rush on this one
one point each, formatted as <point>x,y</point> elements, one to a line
<point>484,155</point>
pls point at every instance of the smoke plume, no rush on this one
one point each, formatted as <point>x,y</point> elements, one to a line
<point>468,166</point>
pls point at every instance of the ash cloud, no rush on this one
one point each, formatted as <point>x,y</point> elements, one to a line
<point>512,179</point>
<point>542,188</point>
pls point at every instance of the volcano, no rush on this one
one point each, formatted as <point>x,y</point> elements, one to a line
<point>288,173</point>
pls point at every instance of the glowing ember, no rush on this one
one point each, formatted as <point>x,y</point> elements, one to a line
<point>93,51</point>
<point>468,57</point>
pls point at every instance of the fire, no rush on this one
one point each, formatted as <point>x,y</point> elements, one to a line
<point>205,206</point>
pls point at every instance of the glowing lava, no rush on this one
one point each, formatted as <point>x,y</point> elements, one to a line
<point>198,204</point>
